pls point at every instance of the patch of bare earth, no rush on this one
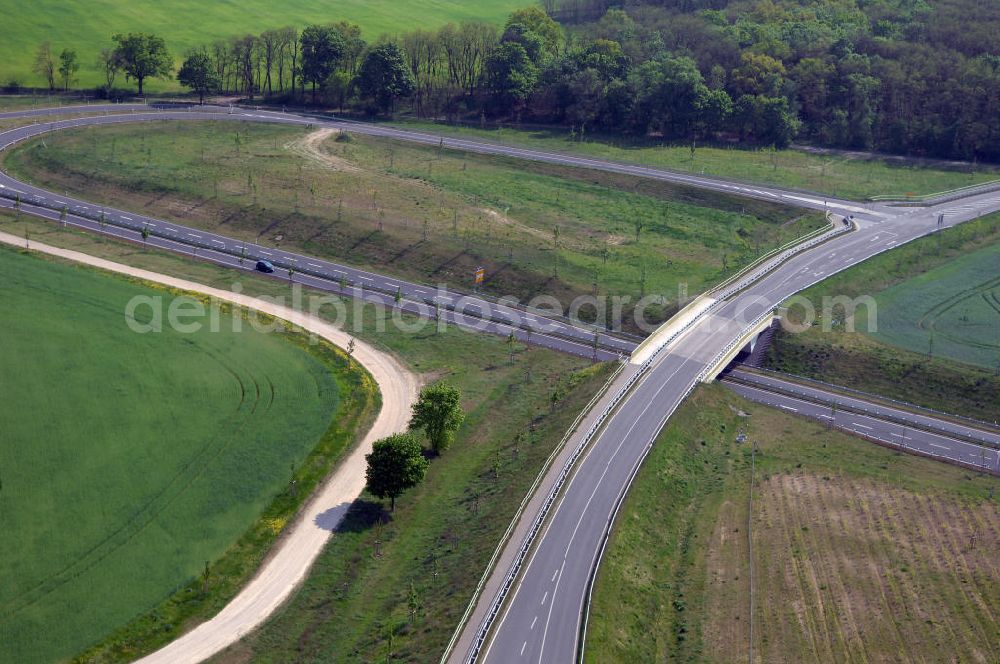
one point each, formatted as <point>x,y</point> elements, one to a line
<point>852,570</point>
<point>727,586</point>
<point>310,148</point>
<point>504,220</point>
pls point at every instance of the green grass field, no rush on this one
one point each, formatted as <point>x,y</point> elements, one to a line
<point>23,102</point>
<point>940,282</point>
<point>442,533</point>
<point>860,553</point>
<point>128,460</point>
<point>419,212</point>
<point>837,175</point>
<point>952,311</point>
<point>87,26</point>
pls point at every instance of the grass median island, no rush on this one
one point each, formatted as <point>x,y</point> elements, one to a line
<point>860,553</point>
<point>129,460</point>
<point>420,212</point>
<point>444,531</point>
<point>941,287</point>
<point>845,175</point>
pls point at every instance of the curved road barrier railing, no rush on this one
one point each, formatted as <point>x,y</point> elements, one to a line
<point>611,340</point>
<point>585,613</point>
<point>939,197</point>
<point>776,259</point>
<point>491,565</point>
<point>760,268</point>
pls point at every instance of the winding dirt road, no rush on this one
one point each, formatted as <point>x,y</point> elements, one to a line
<point>286,565</point>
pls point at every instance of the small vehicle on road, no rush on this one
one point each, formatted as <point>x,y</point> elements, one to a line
<point>265,266</point>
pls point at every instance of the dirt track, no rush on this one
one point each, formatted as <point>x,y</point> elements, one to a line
<point>287,565</point>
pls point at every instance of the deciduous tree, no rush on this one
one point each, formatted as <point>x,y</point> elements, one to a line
<point>44,65</point>
<point>198,73</point>
<point>439,413</point>
<point>395,464</point>
<point>322,48</point>
<point>385,76</point>
<point>142,55</point>
<point>68,66</point>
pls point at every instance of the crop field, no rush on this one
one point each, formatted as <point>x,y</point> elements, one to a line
<point>951,311</point>
<point>433,548</point>
<point>860,553</point>
<point>938,285</point>
<point>129,460</point>
<point>419,212</point>
<point>87,26</point>
<point>844,175</point>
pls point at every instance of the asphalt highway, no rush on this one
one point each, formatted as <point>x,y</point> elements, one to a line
<point>543,616</point>
<point>529,332</point>
<point>913,433</point>
<point>973,431</point>
<point>467,310</point>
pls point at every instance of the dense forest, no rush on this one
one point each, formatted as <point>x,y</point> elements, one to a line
<point>917,77</point>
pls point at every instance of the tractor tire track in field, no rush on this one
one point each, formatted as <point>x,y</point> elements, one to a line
<point>146,514</point>
<point>986,290</point>
<point>287,563</point>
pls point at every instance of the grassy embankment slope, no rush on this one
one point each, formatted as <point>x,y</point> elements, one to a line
<point>943,287</point>
<point>442,534</point>
<point>843,175</point>
<point>859,553</point>
<point>419,212</point>
<point>87,26</point>
<point>128,460</point>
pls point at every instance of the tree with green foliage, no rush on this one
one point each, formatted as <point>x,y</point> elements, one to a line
<point>385,76</point>
<point>537,21</point>
<point>68,66</point>
<point>511,75</point>
<point>142,55</point>
<point>395,464</point>
<point>199,74</point>
<point>439,413</point>
<point>532,43</point>
<point>322,49</point>
<point>767,120</point>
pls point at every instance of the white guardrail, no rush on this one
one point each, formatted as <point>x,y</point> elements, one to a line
<point>779,256</point>
<point>605,337</point>
<point>940,196</point>
<point>635,471</point>
<point>524,503</point>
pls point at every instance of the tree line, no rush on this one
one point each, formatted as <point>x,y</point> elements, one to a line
<point>880,74</point>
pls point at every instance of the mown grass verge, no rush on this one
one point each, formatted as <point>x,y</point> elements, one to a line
<point>844,175</point>
<point>859,552</point>
<point>422,213</point>
<point>442,533</point>
<point>862,360</point>
<point>131,460</point>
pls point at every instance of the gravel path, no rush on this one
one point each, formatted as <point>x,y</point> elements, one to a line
<point>287,564</point>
